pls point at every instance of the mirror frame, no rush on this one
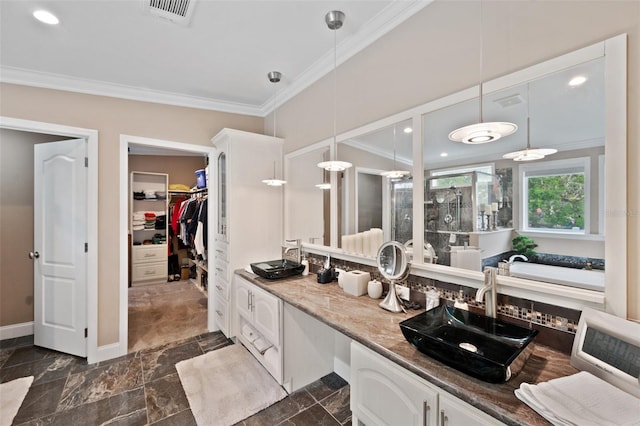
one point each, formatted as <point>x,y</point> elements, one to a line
<point>404,261</point>
<point>614,299</point>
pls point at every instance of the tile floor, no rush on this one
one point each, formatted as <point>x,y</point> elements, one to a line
<point>143,388</point>
<point>163,313</point>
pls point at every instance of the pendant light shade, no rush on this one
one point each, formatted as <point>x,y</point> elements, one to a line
<point>274,77</point>
<point>482,132</point>
<point>529,154</point>
<point>395,173</point>
<point>334,21</point>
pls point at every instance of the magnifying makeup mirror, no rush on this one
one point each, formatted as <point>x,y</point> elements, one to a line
<point>393,264</point>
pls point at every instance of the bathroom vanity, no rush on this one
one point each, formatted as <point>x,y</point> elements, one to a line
<point>362,342</point>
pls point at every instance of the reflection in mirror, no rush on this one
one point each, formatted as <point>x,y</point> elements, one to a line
<point>474,197</point>
<point>370,200</point>
<point>307,204</point>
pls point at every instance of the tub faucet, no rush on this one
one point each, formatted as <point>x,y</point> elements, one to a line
<point>518,256</point>
<point>488,292</point>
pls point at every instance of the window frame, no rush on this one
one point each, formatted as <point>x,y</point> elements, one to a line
<point>554,168</point>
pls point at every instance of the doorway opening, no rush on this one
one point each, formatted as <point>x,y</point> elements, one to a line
<point>163,278</point>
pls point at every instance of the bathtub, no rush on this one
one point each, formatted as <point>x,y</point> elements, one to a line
<point>580,278</point>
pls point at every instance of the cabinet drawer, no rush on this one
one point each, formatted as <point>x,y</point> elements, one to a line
<point>222,250</point>
<point>222,315</point>
<point>221,288</point>
<point>149,271</point>
<point>150,253</point>
<point>221,271</point>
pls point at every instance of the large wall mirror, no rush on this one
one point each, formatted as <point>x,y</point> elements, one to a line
<point>570,202</point>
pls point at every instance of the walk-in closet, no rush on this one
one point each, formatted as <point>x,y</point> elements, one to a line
<point>168,274</point>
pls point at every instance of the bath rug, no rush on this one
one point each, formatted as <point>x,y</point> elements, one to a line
<point>11,396</point>
<point>227,385</point>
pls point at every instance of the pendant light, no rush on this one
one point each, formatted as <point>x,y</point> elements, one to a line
<point>482,132</point>
<point>529,154</point>
<point>395,173</point>
<point>274,77</point>
<point>334,20</point>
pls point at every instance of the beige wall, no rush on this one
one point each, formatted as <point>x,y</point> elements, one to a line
<point>16,224</point>
<point>436,52</point>
<point>113,117</point>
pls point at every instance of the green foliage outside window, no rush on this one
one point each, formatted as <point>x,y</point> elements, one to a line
<point>556,202</point>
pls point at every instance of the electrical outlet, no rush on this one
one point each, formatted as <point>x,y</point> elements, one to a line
<point>403,292</point>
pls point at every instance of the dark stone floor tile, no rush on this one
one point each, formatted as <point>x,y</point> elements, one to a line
<point>162,362</point>
<point>337,404</point>
<point>127,408</point>
<point>44,370</point>
<point>27,354</point>
<point>326,386</point>
<point>42,421</point>
<point>167,346</point>
<point>165,397</point>
<point>281,410</point>
<point>41,400</point>
<point>4,356</point>
<point>316,415</point>
<point>16,342</point>
<point>212,341</point>
<point>101,382</point>
<point>183,418</point>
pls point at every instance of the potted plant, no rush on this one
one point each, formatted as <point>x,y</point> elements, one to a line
<point>524,245</point>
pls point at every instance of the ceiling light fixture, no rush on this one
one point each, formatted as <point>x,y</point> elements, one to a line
<point>274,77</point>
<point>529,154</point>
<point>482,132</point>
<point>408,130</point>
<point>323,186</point>
<point>334,20</point>
<point>46,17</point>
<point>395,174</point>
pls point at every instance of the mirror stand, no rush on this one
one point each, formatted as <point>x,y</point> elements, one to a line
<point>392,302</point>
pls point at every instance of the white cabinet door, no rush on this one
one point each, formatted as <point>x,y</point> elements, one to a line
<point>266,315</point>
<point>384,394</point>
<point>454,412</point>
<point>243,298</point>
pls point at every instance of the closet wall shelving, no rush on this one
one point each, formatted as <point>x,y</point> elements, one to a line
<point>148,227</point>
<point>201,264</point>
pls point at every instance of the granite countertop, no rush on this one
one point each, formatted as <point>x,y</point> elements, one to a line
<point>361,319</point>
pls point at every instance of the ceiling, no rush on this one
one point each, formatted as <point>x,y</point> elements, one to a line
<point>218,59</point>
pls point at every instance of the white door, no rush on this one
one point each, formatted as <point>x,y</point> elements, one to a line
<point>59,254</point>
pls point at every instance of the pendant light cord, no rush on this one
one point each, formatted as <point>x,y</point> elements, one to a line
<point>335,88</point>
<point>481,62</point>
<point>528,117</point>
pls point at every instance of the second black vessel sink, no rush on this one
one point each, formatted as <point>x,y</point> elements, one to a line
<point>275,269</point>
<point>486,348</point>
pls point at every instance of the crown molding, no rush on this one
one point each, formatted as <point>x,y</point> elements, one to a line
<point>389,18</point>
<point>32,78</point>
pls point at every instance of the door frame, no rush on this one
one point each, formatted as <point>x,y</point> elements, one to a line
<point>91,136</point>
<point>125,141</point>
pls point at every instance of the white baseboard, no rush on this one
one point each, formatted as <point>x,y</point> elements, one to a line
<point>16,330</point>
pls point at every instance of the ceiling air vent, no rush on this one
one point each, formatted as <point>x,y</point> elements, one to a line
<point>177,11</point>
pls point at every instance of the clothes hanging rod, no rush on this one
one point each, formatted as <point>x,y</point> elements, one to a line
<point>191,191</point>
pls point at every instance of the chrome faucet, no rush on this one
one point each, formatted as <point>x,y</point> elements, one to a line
<point>518,256</point>
<point>293,253</point>
<point>488,292</point>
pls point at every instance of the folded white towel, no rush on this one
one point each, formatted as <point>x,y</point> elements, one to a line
<point>581,399</point>
<point>271,357</point>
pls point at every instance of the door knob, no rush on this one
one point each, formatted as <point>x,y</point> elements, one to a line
<point>34,255</point>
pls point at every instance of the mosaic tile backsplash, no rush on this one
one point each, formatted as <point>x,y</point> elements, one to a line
<point>556,325</point>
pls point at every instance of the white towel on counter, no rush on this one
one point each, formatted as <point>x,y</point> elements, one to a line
<point>262,344</point>
<point>249,333</point>
<point>581,399</point>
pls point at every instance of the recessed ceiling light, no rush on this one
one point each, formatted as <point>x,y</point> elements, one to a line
<point>443,154</point>
<point>46,17</point>
<point>408,130</point>
<point>577,81</point>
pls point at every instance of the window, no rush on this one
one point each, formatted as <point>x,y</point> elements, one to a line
<point>463,178</point>
<point>555,196</point>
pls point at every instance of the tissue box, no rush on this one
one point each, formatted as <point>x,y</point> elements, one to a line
<point>355,282</point>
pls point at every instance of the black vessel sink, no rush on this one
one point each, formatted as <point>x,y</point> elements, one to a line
<point>486,348</point>
<point>275,269</point>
